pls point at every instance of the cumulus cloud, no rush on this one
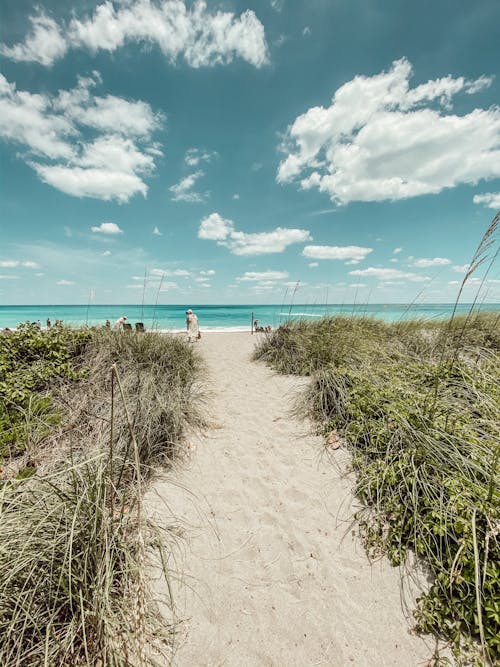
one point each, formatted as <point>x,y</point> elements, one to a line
<point>156,232</point>
<point>183,191</point>
<point>107,228</point>
<point>381,139</point>
<point>194,156</point>
<point>489,199</point>
<point>216,228</point>
<point>313,265</point>
<point>396,251</point>
<point>203,37</point>
<point>65,282</point>
<point>461,268</point>
<point>388,274</point>
<point>168,272</point>
<point>111,165</point>
<point>352,254</point>
<point>16,263</point>
<point>259,276</point>
<point>425,262</point>
<point>44,44</point>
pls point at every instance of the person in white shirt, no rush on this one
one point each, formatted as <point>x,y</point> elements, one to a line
<point>193,330</point>
<point>119,322</point>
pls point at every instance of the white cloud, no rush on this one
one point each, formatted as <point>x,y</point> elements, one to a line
<point>107,228</point>
<point>106,253</point>
<point>112,165</point>
<point>16,263</point>
<point>353,253</point>
<point>194,156</point>
<point>236,196</point>
<point>216,228</point>
<point>461,268</point>
<point>183,191</point>
<point>156,232</point>
<point>201,36</point>
<point>10,276</point>
<point>209,272</point>
<point>258,276</point>
<point>96,183</point>
<point>163,286</point>
<point>65,282</point>
<point>388,274</point>
<point>307,31</point>
<point>44,44</point>
<point>489,199</point>
<point>277,5</point>
<point>396,251</point>
<point>425,262</point>
<point>184,273</point>
<point>313,265</point>
<point>380,139</point>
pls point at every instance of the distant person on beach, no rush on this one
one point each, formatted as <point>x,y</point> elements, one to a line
<point>107,324</point>
<point>193,330</point>
<point>120,322</point>
<point>48,323</point>
<point>256,327</point>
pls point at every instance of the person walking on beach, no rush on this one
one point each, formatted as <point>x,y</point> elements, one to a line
<point>193,330</point>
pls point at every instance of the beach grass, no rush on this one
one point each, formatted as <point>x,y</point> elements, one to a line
<point>417,404</point>
<point>75,541</point>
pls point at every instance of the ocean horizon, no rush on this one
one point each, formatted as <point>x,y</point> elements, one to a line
<point>223,317</point>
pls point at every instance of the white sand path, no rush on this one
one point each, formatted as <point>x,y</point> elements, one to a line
<point>271,572</point>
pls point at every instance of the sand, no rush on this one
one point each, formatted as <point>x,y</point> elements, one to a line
<point>270,570</point>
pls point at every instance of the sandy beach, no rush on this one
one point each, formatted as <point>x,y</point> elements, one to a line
<point>269,570</point>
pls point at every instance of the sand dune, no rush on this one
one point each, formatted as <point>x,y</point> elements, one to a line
<point>272,573</point>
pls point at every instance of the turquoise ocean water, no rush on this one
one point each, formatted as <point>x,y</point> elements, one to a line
<point>223,317</point>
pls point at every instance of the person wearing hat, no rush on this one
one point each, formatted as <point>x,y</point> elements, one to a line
<point>119,322</point>
<point>193,330</point>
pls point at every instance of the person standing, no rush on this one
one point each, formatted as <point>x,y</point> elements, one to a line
<point>48,323</point>
<point>120,322</point>
<point>193,330</point>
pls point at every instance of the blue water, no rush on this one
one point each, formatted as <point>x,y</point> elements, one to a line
<point>221,317</point>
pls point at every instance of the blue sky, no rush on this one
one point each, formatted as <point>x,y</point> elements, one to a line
<point>228,150</point>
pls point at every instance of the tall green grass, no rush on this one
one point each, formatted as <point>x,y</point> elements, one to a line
<point>421,416</point>
<point>75,540</point>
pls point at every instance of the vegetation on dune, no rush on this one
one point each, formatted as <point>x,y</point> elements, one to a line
<point>74,537</point>
<point>32,363</point>
<point>418,405</point>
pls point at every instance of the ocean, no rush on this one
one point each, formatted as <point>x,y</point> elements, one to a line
<point>222,317</point>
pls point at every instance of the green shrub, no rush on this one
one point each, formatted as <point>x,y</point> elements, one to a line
<point>419,407</point>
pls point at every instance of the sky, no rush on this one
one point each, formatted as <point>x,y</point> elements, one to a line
<point>226,152</point>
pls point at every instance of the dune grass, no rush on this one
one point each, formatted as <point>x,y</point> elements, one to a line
<point>75,541</point>
<point>418,405</point>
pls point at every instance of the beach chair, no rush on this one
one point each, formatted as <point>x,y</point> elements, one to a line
<point>127,326</point>
<point>139,327</point>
